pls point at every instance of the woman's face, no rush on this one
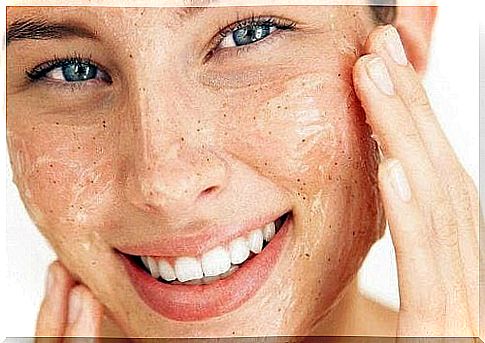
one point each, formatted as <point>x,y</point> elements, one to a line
<point>177,133</point>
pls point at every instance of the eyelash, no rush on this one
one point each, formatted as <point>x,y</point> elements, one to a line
<point>279,23</point>
<point>40,71</point>
<point>229,28</point>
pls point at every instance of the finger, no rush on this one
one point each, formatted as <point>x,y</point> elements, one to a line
<point>84,314</point>
<point>385,42</point>
<point>391,123</point>
<point>398,137</point>
<point>52,314</point>
<point>424,295</point>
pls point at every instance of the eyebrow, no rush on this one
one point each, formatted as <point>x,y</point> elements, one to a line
<point>41,29</point>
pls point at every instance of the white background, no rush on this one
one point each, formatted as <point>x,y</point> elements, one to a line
<point>451,81</point>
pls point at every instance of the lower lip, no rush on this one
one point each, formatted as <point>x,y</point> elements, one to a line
<point>198,302</point>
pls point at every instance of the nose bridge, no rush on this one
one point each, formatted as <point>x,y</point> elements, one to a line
<point>168,170</point>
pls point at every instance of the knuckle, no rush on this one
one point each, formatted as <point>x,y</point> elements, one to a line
<point>441,227</point>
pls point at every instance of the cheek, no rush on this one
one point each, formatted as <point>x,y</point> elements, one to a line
<point>62,173</point>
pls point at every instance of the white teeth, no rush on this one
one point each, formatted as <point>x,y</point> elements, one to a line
<point>166,271</point>
<point>255,241</point>
<point>269,231</point>
<point>145,261</point>
<point>215,261</point>
<point>153,266</point>
<point>188,268</point>
<point>239,250</point>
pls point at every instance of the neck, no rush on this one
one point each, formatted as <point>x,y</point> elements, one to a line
<point>341,318</point>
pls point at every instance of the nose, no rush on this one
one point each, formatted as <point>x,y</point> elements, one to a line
<point>169,166</point>
<point>175,180</point>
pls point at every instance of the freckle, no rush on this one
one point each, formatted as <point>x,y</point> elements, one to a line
<point>94,138</point>
<point>182,139</point>
<point>57,123</point>
<point>339,75</point>
<point>131,56</point>
<point>286,107</point>
<point>208,160</point>
<point>225,115</point>
<point>78,148</point>
<point>279,106</point>
<point>304,184</point>
<point>297,180</point>
<point>50,165</point>
<point>33,128</point>
<point>265,163</point>
<point>303,140</point>
<point>269,132</point>
<point>353,233</point>
<point>304,198</point>
<point>198,130</point>
<point>307,254</point>
<point>198,121</point>
<point>254,118</point>
<point>54,181</point>
<point>94,162</point>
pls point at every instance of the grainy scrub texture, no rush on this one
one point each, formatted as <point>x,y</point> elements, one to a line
<point>199,172</point>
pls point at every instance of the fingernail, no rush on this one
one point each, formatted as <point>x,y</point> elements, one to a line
<point>378,73</point>
<point>75,305</point>
<point>394,46</point>
<point>399,181</point>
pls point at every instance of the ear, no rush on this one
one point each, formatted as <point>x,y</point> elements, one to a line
<point>415,25</point>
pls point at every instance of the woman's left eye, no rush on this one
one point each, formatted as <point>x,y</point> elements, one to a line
<point>248,34</point>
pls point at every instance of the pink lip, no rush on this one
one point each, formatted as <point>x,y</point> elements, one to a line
<point>195,244</point>
<point>197,302</point>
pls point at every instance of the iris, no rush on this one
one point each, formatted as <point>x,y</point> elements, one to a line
<point>251,33</point>
<point>79,71</point>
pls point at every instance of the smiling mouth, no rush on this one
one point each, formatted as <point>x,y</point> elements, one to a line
<point>210,285</point>
<point>216,264</point>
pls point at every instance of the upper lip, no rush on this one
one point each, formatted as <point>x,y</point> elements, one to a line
<point>200,241</point>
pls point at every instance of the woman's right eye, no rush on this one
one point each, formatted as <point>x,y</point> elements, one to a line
<point>68,71</point>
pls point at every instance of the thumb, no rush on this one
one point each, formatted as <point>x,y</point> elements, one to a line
<point>84,314</point>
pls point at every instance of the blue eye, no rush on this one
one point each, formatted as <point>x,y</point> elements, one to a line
<point>68,70</point>
<point>252,30</point>
<point>76,71</point>
<point>251,34</point>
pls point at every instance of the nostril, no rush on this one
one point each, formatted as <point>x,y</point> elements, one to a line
<point>208,191</point>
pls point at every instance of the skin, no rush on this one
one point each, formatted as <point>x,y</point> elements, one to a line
<point>286,129</point>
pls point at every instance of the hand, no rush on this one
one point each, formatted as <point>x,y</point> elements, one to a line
<point>67,309</point>
<point>431,203</point>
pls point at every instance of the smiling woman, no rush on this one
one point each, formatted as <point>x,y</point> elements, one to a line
<point>210,171</point>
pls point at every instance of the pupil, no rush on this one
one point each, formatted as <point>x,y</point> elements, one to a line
<point>250,34</point>
<point>79,72</point>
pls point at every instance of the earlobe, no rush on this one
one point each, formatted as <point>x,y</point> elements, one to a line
<point>415,25</point>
